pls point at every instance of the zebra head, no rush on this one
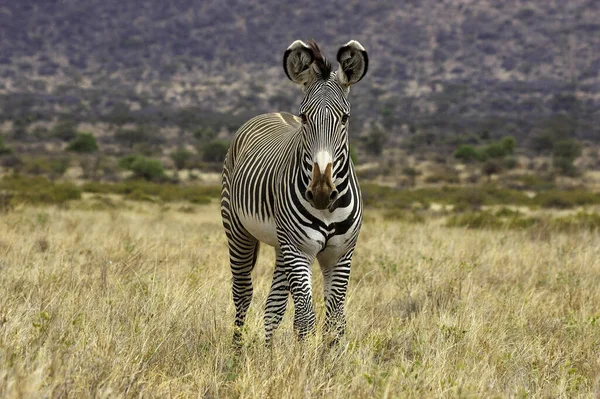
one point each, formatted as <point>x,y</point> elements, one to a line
<point>325,111</point>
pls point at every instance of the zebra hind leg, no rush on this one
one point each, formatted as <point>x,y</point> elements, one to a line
<point>277,299</point>
<point>243,251</point>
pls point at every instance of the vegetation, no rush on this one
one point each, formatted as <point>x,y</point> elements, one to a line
<point>38,190</point>
<point>432,311</point>
<point>83,143</point>
<point>468,153</point>
<point>181,158</point>
<point>4,150</point>
<point>143,167</point>
<point>564,152</point>
<point>215,151</point>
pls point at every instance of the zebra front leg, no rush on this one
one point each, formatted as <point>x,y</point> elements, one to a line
<point>336,275</point>
<point>277,300</point>
<point>298,268</point>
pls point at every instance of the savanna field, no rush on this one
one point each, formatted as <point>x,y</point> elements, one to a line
<point>108,297</point>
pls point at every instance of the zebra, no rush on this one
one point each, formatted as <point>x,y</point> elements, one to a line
<point>288,181</point>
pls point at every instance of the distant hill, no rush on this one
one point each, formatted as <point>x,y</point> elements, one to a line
<point>454,62</point>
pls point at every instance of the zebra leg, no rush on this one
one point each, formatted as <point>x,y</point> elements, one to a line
<point>298,269</point>
<point>243,251</point>
<point>336,275</point>
<point>277,299</point>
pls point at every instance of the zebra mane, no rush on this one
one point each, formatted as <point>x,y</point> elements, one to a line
<point>322,64</point>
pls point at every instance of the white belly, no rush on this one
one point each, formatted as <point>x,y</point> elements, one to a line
<point>263,231</point>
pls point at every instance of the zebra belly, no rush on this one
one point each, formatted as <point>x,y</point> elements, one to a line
<point>263,230</point>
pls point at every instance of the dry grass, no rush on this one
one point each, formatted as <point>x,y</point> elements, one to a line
<point>135,301</point>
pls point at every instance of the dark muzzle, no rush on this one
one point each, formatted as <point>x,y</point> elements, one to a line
<point>321,191</point>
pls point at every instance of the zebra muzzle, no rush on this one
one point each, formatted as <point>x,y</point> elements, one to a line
<point>321,191</point>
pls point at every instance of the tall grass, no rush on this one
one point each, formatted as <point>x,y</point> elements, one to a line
<point>136,301</point>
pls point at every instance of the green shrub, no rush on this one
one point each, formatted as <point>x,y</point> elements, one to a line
<point>144,167</point>
<point>150,191</point>
<point>495,150</point>
<point>566,199</point>
<point>510,162</point>
<point>488,220</point>
<point>84,143</point>
<point>353,154</point>
<point>468,153</point>
<point>4,150</point>
<point>180,158</point>
<point>39,190</point>
<point>475,220</point>
<point>215,151</point>
<point>582,220</point>
<point>508,143</point>
<point>564,152</point>
<point>448,176</point>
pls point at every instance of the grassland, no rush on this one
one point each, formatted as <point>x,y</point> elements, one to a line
<point>106,297</point>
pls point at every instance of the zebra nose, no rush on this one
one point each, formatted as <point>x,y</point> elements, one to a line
<point>333,196</point>
<point>310,197</point>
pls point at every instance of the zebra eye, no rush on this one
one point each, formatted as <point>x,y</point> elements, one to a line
<point>345,119</point>
<point>304,119</point>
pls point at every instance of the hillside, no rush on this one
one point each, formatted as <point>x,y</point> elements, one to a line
<point>453,62</point>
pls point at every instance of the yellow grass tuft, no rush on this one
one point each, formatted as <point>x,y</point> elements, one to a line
<point>136,301</point>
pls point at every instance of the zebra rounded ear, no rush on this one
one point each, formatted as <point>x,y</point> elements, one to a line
<point>297,60</point>
<point>354,63</point>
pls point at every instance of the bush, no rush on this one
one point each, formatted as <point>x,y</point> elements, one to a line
<point>39,190</point>
<point>215,151</point>
<point>468,153</point>
<point>510,162</point>
<point>564,166</point>
<point>83,143</point>
<point>143,167</point>
<point>149,191</point>
<point>64,130</point>
<point>3,149</point>
<point>564,152</point>
<point>509,143</point>
<point>568,149</point>
<point>491,167</point>
<point>566,199</point>
<point>180,158</point>
<point>495,150</point>
<point>448,176</point>
<point>374,142</point>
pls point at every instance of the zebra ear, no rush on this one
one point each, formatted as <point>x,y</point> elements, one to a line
<point>354,63</point>
<point>297,60</point>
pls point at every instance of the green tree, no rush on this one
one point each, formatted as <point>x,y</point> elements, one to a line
<point>215,151</point>
<point>143,167</point>
<point>509,143</point>
<point>4,150</point>
<point>495,150</point>
<point>468,153</point>
<point>564,153</point>
<point>180,158</point>
<point>84,143</point>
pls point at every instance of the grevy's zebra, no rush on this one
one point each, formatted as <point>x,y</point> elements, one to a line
<point>289,182</point>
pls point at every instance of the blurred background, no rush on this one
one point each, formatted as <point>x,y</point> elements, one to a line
<point>458,92</point>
